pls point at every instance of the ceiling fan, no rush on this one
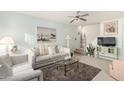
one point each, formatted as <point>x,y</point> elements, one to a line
<point>78,17</point>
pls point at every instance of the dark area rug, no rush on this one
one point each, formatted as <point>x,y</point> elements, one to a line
<point>83,73</point>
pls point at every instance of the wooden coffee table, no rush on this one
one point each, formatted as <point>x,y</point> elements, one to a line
<point>67,63</point>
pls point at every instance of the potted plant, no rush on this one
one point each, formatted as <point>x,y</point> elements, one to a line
<point>14,48</point>
<point>90,50</point>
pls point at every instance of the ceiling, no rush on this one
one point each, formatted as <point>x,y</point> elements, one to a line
<point>61,16</point>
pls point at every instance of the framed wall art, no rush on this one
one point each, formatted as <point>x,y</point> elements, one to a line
<point>46,35</point>
<point>111,28</point>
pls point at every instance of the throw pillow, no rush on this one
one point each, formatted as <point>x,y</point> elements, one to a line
<point>51,50</point>
<point>41,50</point>
<point>61,50</point>
<point>46,51</point>
<point>36,51</point>
<point>56,49</point>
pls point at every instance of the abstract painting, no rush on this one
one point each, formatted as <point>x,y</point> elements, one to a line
<point>111,28</point>
<point>45,34</point>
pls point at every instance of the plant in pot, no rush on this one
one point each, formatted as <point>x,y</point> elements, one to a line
<point>90,50</point>
<point>14,48</point>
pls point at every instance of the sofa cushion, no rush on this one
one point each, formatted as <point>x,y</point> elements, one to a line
<point>42,58</point>
<point>64,54</point>
<point>43,50</point>
<point>56,55</point>
<point>50,57</point>
<point>51,50</point>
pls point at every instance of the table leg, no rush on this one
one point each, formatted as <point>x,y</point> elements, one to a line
<point>57,68</point>
<point>65,69</point>
<point>38,78</point>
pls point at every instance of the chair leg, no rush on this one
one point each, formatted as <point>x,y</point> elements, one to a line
<point>38,78</point>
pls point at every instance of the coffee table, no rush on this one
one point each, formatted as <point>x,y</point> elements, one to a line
<point>66,63</point>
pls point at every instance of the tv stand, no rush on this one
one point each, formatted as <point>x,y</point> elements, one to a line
<point>107,52</point>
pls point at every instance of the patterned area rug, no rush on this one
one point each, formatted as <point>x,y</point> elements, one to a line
<point>83,73</point>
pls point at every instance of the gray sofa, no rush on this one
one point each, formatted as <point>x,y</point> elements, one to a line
<point>44,60</point>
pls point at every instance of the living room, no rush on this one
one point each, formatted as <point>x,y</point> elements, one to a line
<point>61,45</point>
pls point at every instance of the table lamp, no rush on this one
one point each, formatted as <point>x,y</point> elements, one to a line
<point>7,41</point>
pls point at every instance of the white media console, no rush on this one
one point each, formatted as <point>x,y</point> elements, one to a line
<point>109,53</point>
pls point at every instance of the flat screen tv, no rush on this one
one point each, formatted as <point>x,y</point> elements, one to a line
<point>106,41</point>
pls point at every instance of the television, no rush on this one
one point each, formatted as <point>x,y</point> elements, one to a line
<point>106,41</point>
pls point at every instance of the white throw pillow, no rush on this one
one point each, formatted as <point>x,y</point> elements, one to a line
<point>61,50</point>
<point>51,50</point>
<point>36,51</point>
<point>43,50</point>
<point>56,49</point>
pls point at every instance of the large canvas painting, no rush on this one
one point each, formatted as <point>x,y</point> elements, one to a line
<point>111,28</point>
<point>46,35</point>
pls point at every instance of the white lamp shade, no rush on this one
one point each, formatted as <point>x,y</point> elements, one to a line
<point>6,40</point>
<point>67,37</point>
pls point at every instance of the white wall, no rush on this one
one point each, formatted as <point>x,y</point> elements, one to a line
<point>119,36</point>
<point>92,32</point>
<point>20,26</point>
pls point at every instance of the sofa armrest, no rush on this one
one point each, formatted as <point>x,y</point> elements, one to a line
<point>31,57</point>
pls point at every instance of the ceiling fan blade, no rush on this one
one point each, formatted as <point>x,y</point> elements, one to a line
<point>72,20</point>
<point>84,15</point>
<point>82,19</point>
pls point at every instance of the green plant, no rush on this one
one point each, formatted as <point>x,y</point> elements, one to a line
<point>90,50</point>
<point>14,48</point>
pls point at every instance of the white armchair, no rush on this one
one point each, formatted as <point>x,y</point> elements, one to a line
<point>22,70</point>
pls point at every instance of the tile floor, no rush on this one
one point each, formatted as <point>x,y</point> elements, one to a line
<point>100,63</point>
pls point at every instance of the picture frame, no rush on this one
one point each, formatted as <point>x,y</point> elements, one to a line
<point>111,28</point>
<point>46,35</point>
